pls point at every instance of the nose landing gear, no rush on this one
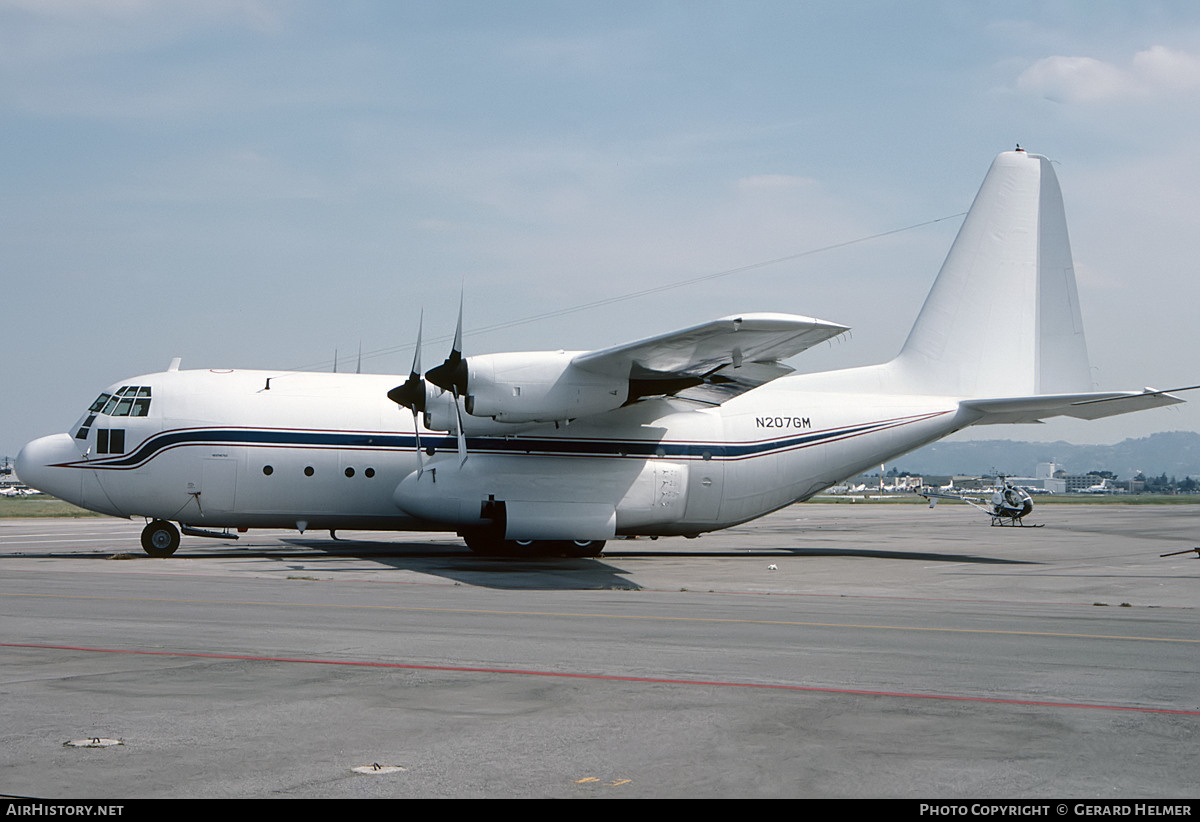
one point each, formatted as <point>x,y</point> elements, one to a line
<point>160,538</point>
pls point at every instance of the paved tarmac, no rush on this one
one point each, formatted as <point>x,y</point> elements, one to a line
<point>865,650</point>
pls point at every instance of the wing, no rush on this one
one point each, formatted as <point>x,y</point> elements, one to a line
<point>712,361</point>
<point>704,348</point>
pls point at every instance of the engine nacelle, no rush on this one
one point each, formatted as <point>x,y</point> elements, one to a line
<point>538,386</point>
<point>440,415</point>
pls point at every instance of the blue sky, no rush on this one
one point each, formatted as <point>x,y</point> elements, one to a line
<point>259,184</point>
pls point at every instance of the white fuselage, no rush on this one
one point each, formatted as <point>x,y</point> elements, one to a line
<point>312,450</point>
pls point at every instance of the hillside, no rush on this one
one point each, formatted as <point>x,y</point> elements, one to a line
<point>1174,453</point>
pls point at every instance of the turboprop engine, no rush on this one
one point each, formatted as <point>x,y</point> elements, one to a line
<point>537,386</point>
<point>511,388</point>
<point>517,388</point>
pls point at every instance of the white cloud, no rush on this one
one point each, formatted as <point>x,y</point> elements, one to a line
<point>1161,67</point>
<point>1154,71</point>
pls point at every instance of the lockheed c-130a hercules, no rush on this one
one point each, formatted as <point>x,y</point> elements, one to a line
<point>557,452</point>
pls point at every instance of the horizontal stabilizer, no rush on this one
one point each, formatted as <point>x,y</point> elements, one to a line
<point>1090,406</point>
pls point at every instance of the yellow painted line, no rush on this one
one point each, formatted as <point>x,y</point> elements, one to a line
<point>577,615</point>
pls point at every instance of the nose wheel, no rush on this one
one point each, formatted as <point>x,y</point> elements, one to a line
<point>160,538</point>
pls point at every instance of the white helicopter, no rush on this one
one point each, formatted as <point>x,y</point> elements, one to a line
<point>545,453</point>
<point>1007,504</point>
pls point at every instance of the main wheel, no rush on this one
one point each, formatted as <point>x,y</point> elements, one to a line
<point>589,548</point>
<point>160,538</point>
<point>488,543</point>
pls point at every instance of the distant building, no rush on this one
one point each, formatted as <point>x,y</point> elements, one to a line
<point>1045,470</point>
<point>1049,484</point>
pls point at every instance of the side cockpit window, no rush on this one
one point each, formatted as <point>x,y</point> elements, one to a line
<point>82,433</point>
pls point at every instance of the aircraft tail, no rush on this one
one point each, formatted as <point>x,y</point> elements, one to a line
<point>1002,318</point>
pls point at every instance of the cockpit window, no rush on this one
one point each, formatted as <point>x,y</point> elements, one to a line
<point>82,433</point>
<point>128,401</point>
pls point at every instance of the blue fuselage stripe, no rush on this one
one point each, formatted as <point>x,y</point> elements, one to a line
<point>542,446</point>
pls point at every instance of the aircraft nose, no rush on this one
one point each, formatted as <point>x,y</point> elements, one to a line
<point>38,466</point>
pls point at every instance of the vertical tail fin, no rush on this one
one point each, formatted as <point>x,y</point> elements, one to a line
<point>1002,318</point>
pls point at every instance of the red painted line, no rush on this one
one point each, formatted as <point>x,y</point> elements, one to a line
<point>610,678</point>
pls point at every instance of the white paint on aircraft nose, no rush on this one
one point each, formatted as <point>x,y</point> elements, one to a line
<point>37,467</point>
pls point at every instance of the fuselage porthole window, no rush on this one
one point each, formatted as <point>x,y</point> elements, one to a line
<point>370,472</point>
<point>268,470</point>
<point>349,472</point>
<point>309,471</point>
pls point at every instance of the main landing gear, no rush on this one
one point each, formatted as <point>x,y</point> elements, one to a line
<point>160,538</point>
<point>489,545</point>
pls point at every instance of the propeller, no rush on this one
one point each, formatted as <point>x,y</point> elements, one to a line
<point>451,376</point>
<point>412,393</point>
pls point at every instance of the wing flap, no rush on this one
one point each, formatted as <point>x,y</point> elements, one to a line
<point>726,383</point>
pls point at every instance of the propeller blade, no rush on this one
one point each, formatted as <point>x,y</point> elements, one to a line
<point>412,393</point>
<point>414,376</point>
<point>417,434</point>
<point>451,375</point>
<point>462,436</point>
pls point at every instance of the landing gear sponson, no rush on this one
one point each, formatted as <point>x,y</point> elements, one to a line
<point>161,539</point>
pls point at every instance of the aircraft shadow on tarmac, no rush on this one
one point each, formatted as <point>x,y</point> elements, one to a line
<point>456,563</point>
<point>874,553</point>
<point>382,551</point>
